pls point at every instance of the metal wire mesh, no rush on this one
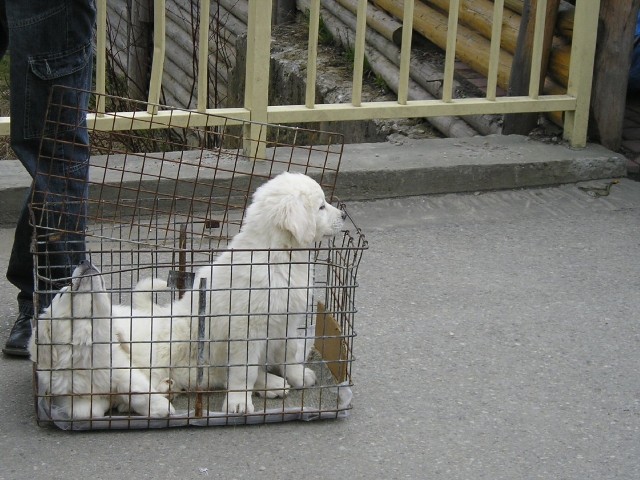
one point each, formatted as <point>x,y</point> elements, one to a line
<point>163,214</point>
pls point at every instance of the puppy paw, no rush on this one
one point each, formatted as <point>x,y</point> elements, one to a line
<point>309,377</point>
<point>274,387</point>
<point>82,409</point>
<point>238,402</point>
<point>160,407</point>
<point>166,386</point>
<point>301,377</point>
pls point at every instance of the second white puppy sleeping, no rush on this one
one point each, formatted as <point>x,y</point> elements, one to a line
<point>80,361</point>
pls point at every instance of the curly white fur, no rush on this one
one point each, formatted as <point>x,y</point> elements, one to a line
<point>80,360</point>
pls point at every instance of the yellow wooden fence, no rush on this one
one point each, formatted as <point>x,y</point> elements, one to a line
<point>574,103</point>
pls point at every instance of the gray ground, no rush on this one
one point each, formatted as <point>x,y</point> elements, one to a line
<point>499,338</point>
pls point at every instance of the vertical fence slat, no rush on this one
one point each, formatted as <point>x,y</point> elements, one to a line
<point>358,60</point>
<point>583,47</point>
<point>537,52</point>
<point>494,53</point>
<point>405,52</point>
<point>101,53</point>
<point>312,53</point>
<point>203,56</point>
<point>157,63</point>
<point>256,90</point>
<point>450,55</point>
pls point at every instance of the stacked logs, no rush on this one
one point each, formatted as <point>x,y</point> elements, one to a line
<point>474,34</point>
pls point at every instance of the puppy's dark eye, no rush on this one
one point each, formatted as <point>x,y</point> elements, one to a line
<point>322,206</point>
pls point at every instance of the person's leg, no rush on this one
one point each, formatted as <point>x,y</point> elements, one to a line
<point>49,44</point>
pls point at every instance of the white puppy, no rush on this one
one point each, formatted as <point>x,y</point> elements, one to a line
<point>260,287</point>
<point>80,361</point>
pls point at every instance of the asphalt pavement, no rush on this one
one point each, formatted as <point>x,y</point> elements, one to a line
<point>498,338</point>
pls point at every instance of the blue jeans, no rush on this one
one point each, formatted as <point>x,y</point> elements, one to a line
<point>50,43</point>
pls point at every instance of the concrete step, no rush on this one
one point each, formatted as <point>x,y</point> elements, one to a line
<point>407,167</point>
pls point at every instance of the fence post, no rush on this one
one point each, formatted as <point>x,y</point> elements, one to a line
<point>203,56</point>
<point>256,92</point>
<point>157,62</point>
<point>101,54</point>
<point>583,48</point>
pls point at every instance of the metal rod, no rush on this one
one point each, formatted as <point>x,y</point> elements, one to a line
<point>202,308</point>
<point>182,260</point>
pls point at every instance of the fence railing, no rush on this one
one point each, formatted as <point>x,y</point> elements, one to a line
<point>574,103</point>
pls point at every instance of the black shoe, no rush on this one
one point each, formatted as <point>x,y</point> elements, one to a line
<point>18,342</point>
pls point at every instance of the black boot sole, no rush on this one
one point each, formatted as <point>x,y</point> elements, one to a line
<point>16,352</point>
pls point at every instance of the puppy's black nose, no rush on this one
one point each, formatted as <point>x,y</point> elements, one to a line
<point>344,215</point>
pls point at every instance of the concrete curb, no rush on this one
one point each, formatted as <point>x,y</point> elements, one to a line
<point>495,162</point>
<point>410,167</point>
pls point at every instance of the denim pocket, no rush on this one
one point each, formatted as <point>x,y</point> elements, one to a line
<point>71,69</point>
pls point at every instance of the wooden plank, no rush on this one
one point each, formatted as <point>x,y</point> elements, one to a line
<point>405,53</point>
<point>583,48</point>
<point>519,83</point>
<point>450,51</point>
<point>378,20</point>
<point>157,60</point>
<point>256,92</point>
<point>610,77</point>
<point>312,53</point>
<point>492,76</point>
<point>203,55</point>
<point>358,60</point>
<point>418,108</point>
<point>101,53</point>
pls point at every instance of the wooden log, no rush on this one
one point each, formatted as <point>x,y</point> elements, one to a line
<point>179,33</point>
<point>238,8</point>
<point>610,78</point>
<point>478,15</point>
<point>515,5</point>
<point>139,49</point>
<point>559,60</point>
<point>182,89</point>
<point>378,20</point>
<point>564,23</point>
<point>117,42</point>
<point>472,48</point>
<point>231,23</point>
<point>523,123</point>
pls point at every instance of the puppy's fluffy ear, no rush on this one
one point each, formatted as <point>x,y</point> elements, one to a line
<point>297,219</point>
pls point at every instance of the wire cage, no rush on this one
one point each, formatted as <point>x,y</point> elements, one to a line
<point>130,333</point>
